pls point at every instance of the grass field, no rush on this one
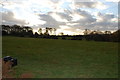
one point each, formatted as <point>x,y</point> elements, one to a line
<point>49,58</point>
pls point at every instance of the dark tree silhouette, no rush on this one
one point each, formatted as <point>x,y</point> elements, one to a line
<point>46,31</point>
<point>36,34</point>
<point>94,32</point>
<point>61,33</point>
<point>26,28</point>
<point>86,32</point>
<point>26,31</point>
<point>107,32</point>
<point>116,36</point>
<point>40,31</point>
<point>16,30</point>
<point>6,29</point>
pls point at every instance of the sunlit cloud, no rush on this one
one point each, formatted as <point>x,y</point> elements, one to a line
<point>100,5</point>
<point>114,20</point>
<point>71,24</point>
<point>77,17</point>
<point>64,27</point>
<point>67,16</point>
<point>58,18</point>
<point>9,19</point>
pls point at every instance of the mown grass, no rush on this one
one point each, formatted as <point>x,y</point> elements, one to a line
<point>49,58</point>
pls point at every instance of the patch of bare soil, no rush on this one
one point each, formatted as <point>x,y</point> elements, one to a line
<point>26,75</point>
<point>7,70</point>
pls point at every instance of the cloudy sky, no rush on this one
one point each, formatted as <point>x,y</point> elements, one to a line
<point>67,16</point>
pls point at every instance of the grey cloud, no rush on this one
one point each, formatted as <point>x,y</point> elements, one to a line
<point>106,17</point>
<point>85,4</point>
<point>91,23</point>
<point>88,17</point>
<point>55,1</point>
<point>65,16</point>
<point>105,25</point>
<point>68,12</point>
<point>90,4</point>
<point>62,15</point>
<point>88,21</point>
<point>8,18</point>
<point>106,20</point>
<point>50,22</point>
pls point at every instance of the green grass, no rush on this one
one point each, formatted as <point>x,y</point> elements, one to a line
<point>49,58</point>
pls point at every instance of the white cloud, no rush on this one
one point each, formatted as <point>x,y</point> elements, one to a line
<point>55,14</point>
<point>77,17</point>
<point>64,27</point>
<point>23,11</point>
<point>71,24</point>
<point>100,5</point>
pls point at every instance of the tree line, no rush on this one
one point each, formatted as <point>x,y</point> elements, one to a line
<point>26,31</point>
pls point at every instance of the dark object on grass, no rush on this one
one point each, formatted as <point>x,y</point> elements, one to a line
<point>9,58</point>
